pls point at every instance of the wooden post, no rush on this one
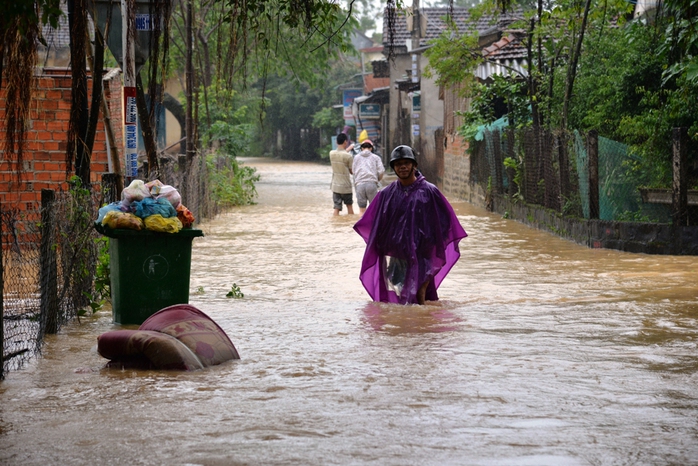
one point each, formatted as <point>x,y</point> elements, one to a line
<point>563,162</point>
<point>593,155</point>
<point>511,153</point>
<point>110,188</point>
<point>48,276</point>
<point>182,166</point>
<point>498,182</point>
<point>189,79</point>
<point>679,199</point>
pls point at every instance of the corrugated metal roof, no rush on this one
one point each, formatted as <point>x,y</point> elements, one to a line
<point>506,56</point>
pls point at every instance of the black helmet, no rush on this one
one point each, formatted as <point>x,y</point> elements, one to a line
<point>402,152</point>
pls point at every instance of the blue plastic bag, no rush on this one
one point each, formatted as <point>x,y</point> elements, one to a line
<point>108,208</point>
<point>150,206</point>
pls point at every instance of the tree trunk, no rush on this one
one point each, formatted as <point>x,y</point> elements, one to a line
<point>151,147</point>
<point>191,147</point>
<point>572,68</point>
<point>97,70</point>
<point>77,131</point>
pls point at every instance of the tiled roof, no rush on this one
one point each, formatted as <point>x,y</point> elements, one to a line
<point>508,57</point>
<point>371,82</point>
<point>507,48</point>
<point>436,24</point>
<point>377,48</point>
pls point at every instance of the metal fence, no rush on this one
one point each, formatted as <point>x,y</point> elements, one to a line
<point>49,254</point>
<point>552,169</point>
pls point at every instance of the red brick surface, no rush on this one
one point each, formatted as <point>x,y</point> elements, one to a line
<point>46,139</point>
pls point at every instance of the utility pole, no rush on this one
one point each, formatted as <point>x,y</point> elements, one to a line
<point>130,107</point>
<point>415,34</point>
<point>191,147</point>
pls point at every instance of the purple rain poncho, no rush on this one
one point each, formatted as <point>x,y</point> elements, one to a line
<point>411,236</point>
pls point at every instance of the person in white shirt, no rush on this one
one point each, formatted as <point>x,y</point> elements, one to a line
<point>368,170</point>
<point>341,175</point>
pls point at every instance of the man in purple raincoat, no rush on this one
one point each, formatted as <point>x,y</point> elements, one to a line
<point>411,235</point>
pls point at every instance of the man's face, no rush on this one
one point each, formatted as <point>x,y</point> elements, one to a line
<point>403,168</point>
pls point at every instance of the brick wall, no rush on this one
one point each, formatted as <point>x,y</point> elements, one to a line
<point>44,165</point>
<point>456,164</point>
<point>456,178</point>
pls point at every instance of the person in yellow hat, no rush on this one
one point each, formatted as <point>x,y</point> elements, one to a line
<point>368,170</point>
<point>363,136</point>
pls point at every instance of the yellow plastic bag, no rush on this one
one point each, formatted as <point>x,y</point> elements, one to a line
<point>125,220</point>
<point>164,225</point>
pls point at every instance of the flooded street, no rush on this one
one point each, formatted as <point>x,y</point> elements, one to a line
<point>540,352</point>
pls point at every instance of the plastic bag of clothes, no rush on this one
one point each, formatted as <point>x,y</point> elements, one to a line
<point>164,225</point>
<point>117,219</point>
<point>185,216</point>
<point>164,191</point>
<point>114,206</point>
<point>169,193</point>
<point>150,206</point>
<point>136,191</point>
<point>153,186</point>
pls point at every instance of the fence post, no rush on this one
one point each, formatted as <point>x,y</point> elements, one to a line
<point>563,162</point>
<point>2,302</point>
<point>48,282</point>
<point>679,199</point>
<point>110,188</point>
<point>182,165</point>
<point>593,155</point>
<point>498,161</point>
<point>511,153</point>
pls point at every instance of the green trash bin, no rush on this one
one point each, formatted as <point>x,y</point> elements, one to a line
<point>149,271</point>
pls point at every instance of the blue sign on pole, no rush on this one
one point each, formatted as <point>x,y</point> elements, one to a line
<point>348,96</point>
<point>370,111</point>
<point>143,22</point>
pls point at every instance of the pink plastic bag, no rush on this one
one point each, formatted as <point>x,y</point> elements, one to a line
<point>168,192</point>
<point>136,191</point>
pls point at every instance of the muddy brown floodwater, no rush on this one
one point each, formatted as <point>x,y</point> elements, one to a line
<point>540,352</point>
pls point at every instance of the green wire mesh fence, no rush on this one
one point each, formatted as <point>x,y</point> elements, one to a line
<point>551,169</point>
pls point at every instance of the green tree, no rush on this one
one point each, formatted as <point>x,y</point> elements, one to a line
<point>292,127</point>
<point>625,93</point>
<point>251,49</point>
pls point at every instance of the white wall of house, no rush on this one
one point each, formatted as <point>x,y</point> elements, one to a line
<point>398,68</point>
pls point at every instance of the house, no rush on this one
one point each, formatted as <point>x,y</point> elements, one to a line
<point>417,106</point>
<point>507,56</point>
<point>363,111</point>
<point>368,110</point>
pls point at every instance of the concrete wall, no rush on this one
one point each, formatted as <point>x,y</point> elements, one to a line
<point>647,238</point>
<point>173,130</point>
